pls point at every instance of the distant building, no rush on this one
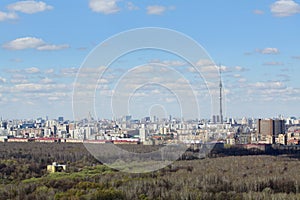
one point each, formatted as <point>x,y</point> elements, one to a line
<point>60,119</point>
<point>128,118</point>
<point>27,125</point>
<point>269,129</point>
<point>56,168</point>
<point>217,119</point>
<point>3,138</point>
<point>4,125</point>
<point>282,139</point>
<point>142,134</point>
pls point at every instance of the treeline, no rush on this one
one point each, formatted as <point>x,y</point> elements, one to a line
<point>235,150</point>
<point>233,177</point>
<point>19,161</point>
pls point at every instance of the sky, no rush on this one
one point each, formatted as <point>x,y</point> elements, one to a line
<point>44,44</point>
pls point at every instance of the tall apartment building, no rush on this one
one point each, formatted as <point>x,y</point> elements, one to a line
<point>269,129</point>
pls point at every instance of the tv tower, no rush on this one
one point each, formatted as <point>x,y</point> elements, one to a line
<point>221,86</point>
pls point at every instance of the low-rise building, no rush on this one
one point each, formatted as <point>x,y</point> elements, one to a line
<point>56,167</point>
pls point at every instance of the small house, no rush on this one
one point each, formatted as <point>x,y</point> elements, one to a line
<point>56,168</point>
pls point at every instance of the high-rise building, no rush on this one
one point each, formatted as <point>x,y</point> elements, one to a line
<point>60,119</point>
<point>128,118</point>
<point>217,119</point>
<point>214,119</point>
<point>143,133</point>
<point>269,129</point>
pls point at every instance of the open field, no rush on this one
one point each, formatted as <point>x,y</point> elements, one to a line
<point>23,176</point>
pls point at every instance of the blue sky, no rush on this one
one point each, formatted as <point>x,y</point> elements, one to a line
<point>43,44</point>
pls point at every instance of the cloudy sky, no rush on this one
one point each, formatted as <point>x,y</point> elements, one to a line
<point>44,43</point>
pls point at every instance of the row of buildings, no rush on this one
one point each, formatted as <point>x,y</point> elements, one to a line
<point>154,131</point>
<point>268,131</point>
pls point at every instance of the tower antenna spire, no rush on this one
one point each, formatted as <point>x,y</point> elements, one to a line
<point>221,87</point>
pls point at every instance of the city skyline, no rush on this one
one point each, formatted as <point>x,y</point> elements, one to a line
<point>44,43</point>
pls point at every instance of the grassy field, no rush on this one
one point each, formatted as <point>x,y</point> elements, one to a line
<point>24,176</point>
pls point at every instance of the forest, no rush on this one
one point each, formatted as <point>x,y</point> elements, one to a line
<point>23,175</point>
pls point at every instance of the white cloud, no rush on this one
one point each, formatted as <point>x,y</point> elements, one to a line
<point>268,50</point>
<point>18,81</point>
<point>156,91</point>
<point>208,66</point>
<point>274,90</point>
<point>52,47</point>
<point>239,68</point>
<point>49,71</point>
<point>269,85</point>
<point>284,8</point>
<point>242,80</point>
<point>2,80</point>
<point>104,6</point>
<point>29,7</point>
<point>224,68</point>
<point>42,88</point>
<point>204,62</point>
<point>156,10</point>
<point>50,95</point>
<point>131,6</point>
<point>6,16</point>
<point>32,43</point>
<point>72,71</point>
<point>32,70</point>
<point>19,78</point>
<point>46,80</point>
<point>28,87</point>
<point>170,100</point>
<point>169,63</point>
<point>24,43</point>
<point>236,75</point>
<point>211,69</point>
<point>55,98</point>
<point>102,81</point>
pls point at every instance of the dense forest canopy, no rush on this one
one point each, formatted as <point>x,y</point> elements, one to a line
<point>23,175</point>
